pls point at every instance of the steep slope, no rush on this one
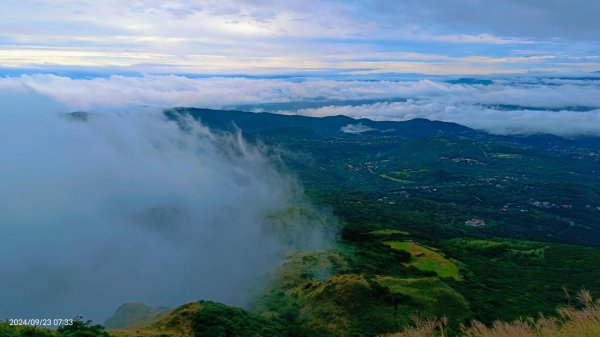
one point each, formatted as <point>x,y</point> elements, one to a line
<point>207,319</point>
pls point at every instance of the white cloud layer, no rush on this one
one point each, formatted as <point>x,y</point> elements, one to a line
<point>356,128</point>
<point>529,104</point>
<point>562,123</point>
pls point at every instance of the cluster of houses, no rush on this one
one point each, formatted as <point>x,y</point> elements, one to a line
<point>543,204</point>
<point>475,222</point>
<point>547,204</point>
<point>469,161</point>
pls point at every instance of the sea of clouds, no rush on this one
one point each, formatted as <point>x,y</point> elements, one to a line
<point>565,106</point>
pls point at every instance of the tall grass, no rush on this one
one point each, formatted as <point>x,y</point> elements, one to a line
<point>580,321</point>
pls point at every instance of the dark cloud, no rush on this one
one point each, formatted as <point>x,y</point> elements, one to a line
<point>535,19</point>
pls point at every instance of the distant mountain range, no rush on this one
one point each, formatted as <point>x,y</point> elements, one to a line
<point>262,123</point>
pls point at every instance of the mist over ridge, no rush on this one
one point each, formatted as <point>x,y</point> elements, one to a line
<point>116,206</point>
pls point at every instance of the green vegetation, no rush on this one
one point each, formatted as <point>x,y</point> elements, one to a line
<point>506,155</point>
<point>173,323</point>
<point>402,181</point>
<point>426,259</point>
<point>571,322</point>
<point>320,294</point>
<point>429,297</point>
<point>389,232</point>
<point>359,305</point>
<point>218,320</point>
<point>506,279</point>
<point>23,331</point>
<point>402,176</point>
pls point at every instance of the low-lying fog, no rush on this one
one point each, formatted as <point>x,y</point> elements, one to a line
<point>125,206</point>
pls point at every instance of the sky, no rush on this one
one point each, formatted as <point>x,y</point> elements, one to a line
<point>264,37</point>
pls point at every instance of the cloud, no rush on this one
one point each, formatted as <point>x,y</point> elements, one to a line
<point>572,20</point>
<point>123,205</point>
<point>381,18</point>
<point>356,128</point>
<point>258,37</point>
<point>566,123</point>
<point>168,91</point>
<point>565,106</point>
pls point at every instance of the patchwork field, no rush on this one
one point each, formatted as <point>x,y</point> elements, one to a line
<point>424,258</point>
<point>387,232</point>
<point>401,181</point>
